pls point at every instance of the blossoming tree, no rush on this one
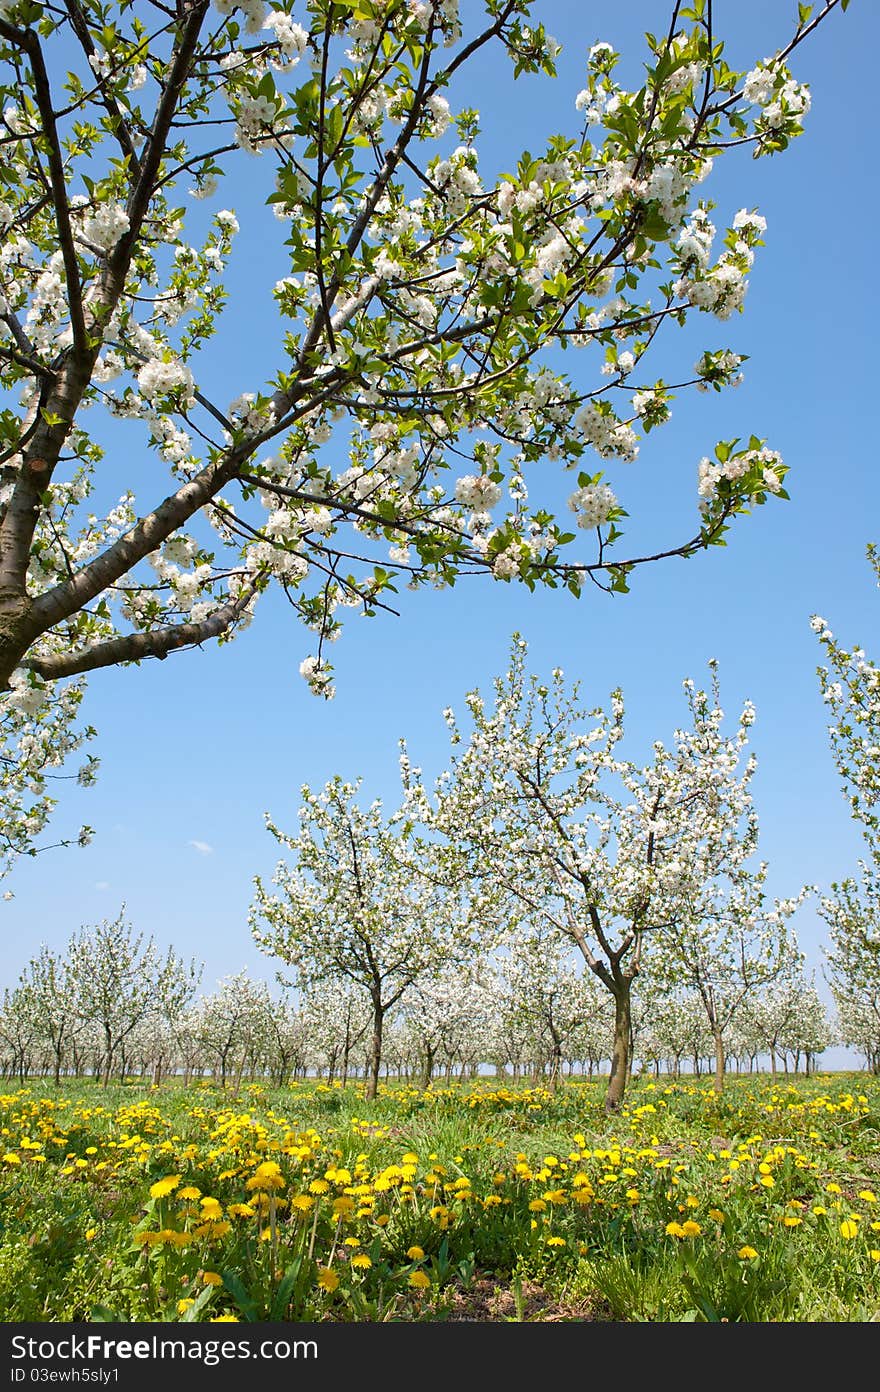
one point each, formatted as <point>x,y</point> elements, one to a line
<point>725,941</point>
<point>119,980</point>
<point>544,992</point>
<point>446,1015</point>
<point>626,862</point>
<point>37,738</point>
<point>850,686</point>
<point>365,902</point>
<point>419,303</point>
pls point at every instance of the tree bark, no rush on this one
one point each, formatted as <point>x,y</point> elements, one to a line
<point>718,1082</point>
<point>375,1052</point>
<point>621,1046</point>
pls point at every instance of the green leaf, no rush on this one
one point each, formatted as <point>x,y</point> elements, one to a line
<point>198,1305</point>
<point>286,1287</point>
<point>245,1302</point>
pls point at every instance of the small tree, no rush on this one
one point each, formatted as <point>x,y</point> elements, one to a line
<point>852,913</point>
<point>448,1016</point>
<point>725,942</point>
<point>231,1023</point>
<point>119,980</point>
<point>549,996</point>
<point>47,983</point>
<point>337,1020</point>
<point>850,686</point>
<point>365,901</point>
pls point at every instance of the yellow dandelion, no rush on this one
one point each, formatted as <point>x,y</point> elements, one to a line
<point>327,1279</point>
<point>267,1176</point>
<point>184,1305</point>
<point>874,1254</point>
<point>555,1241</point>
<point>361,1261</point>
<point>420,1280</point>
<point>189,1192</point>
<point>164,1186</point>
<point>717,1214</point>
<point>415,1253</point>
<point>691,1229</point>
<point>537,1205</point>
<point>791,1220</point>
<point>849,1229</point>
<point>747,1253</point>
<point>674,1230</point>
<point>212,1278</point>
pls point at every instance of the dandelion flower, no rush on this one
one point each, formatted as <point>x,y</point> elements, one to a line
<point>164,1186</point>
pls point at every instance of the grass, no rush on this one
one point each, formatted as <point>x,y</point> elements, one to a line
<point>480,1201</point>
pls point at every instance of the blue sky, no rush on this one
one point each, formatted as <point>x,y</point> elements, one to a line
<point>196,748</point>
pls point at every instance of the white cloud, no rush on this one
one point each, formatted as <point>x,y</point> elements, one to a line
<point>202,847</point>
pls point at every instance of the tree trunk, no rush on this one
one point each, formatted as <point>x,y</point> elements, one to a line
<point>375,1052</point>
<point>428,1069</point>
<point>108,1060</point>
<point>718,1082</point>
<point>620,1048</point>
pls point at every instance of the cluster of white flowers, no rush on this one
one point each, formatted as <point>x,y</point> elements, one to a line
<point>159,376</point>
<point>610,437</point>
<point>780,97</point>
<point>506,564</point>
<point>478,492</point>
<point>292,38</point>
<point>439,115</point>
<point>319,676</point>
<point>174,443</point>
<point>593,504</point>
<point>457,180</point>
<point>722,289</point>
<point>253,10</point>
<point>710,474</point>
<point>694,242</point>
<point>719,368</point>
<point>27,693</point>
<point>254,118</point>
<point>105,225</point>
<point>651,406</point>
